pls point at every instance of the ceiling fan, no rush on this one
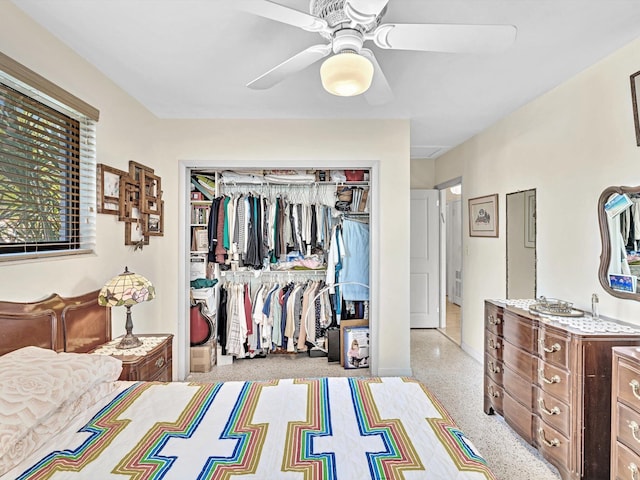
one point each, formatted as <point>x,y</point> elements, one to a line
<point>348,24</point>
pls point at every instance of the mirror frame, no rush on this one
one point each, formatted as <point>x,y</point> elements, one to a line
<point>535,246</point>
<point>605,239</point>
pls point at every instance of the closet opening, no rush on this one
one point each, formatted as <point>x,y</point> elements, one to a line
<point>278,264</point>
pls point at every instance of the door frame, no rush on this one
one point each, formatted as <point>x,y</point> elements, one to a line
<point>184,169</point>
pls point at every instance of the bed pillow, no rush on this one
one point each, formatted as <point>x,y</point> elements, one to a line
<point>52,425</point>
<point>35,382</point>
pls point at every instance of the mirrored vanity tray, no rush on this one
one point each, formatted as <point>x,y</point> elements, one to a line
<point>555,307</point>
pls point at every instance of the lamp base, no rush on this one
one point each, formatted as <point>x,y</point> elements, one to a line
<point>129,341</point>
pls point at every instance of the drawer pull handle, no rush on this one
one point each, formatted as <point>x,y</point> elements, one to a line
<point>493,368</point>
<point>553,411</point>
<point>553,443</point>
<point>492,392</point>
<point>635,388</point>
<point>494,345</point>
<point>160,362</point>
<point>554,348</point>
<point>634,430</point>
<point>634,471</point>
<point>494,320</point>
<point>554,379</point>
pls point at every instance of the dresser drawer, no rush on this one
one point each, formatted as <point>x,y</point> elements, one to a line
<point>493,319</point>
<point>493,345</point>
<point>553,380</point>
<point>155,366</point>
<point>520,389</point>
<point>519,361</point>
<point>518,417</point>
<point>628,428</point>
<point>554,446</point>
<point>494,395</point>
<point>553,347</point>
<point>518,331</point>
<point>627,388</point>
<point>552,411</point>
<point>626,464</point>
<point>493,368</point>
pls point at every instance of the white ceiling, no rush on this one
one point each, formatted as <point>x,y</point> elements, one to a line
<point>193,58</point>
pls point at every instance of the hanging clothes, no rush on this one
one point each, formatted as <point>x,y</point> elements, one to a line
<point>355,269</point>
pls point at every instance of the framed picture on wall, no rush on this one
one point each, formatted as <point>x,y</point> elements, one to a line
<point>155,222</point>
<point>483,216</point>
<point>108,188</point>
<point>134,234</point>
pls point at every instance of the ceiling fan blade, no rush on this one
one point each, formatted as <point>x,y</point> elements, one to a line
<point>379,92</point>
<point>293,65</point>
<point>280,13</point>
<point>364,11</point>
<point>445,38</point>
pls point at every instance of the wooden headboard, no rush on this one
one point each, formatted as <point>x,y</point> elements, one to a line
<point>76,324</point>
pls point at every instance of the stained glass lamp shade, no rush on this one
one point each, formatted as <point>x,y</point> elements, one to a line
<point>127,290</point>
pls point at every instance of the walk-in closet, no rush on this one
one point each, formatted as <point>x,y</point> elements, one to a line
<point>279,264</point>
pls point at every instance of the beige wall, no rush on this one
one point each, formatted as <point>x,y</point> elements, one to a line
<point>124,132</point>
<point>423,173</point>
<point>127,131</point>
<point>569,144</point>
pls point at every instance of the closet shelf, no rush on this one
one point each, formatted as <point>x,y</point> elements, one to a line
<point>294,184</point>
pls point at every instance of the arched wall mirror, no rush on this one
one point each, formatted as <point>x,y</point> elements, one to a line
<point>521,244</point>
<point>619,219</point>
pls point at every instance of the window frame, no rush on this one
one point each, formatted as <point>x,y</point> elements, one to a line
<point>81,224</point>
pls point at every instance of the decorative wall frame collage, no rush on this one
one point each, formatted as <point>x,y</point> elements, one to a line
<point>136,197</point>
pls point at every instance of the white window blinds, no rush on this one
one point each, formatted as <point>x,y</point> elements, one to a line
<point>47,174</point>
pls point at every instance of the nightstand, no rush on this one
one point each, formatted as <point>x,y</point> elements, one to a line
<point>150,362</point>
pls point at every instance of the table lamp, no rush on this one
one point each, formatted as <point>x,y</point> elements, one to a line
<point>127,289</point>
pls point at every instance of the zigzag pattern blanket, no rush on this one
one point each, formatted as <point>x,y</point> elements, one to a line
<point>312,429</point>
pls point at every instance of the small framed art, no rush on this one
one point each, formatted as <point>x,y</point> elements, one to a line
<point>150,192</point>
<point>136,169</point>
<point>200,241</point>
<point>129,200</point>
<point>108,188</point>
<point>155,222</point>
<point>483,216</point>
<point>134,234</point>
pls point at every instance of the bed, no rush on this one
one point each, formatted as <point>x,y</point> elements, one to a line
<point>64,415</point>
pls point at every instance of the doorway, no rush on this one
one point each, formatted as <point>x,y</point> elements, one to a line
<point>451,259</point>
<point>182,352</point>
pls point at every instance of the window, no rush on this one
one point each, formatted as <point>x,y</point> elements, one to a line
<point>47,173</point>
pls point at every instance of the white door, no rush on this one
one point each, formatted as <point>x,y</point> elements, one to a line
<point>424,278</point>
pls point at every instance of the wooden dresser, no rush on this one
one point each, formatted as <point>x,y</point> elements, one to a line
<point>625,414</point>
<point>550,378</point>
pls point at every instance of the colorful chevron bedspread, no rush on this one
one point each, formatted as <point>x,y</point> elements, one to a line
<point>312,429</point>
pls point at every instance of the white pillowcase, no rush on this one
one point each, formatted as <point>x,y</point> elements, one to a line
<point>36,383</point>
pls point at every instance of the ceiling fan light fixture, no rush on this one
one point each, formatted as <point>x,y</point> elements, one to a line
<point>346,74</point>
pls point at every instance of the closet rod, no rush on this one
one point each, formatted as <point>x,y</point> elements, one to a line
<point>276,184</point>
<point>258,273</point>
